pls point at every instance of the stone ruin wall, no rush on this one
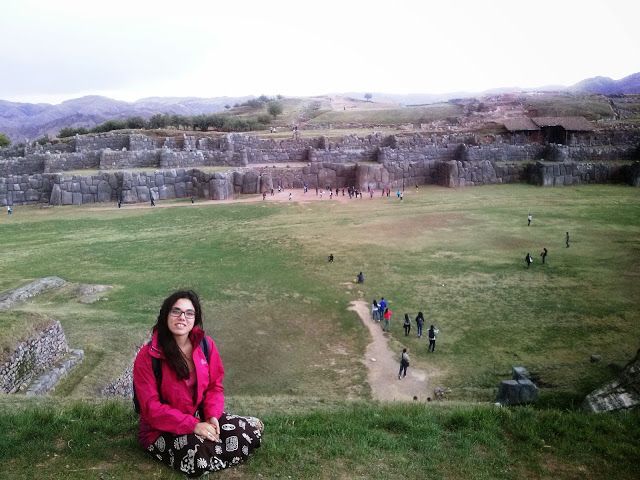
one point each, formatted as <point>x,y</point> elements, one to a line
<point>373,161</point>
<point>32,357</point>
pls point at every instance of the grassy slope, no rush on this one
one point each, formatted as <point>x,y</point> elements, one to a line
<point>278,311</point>
<point>357,440</point>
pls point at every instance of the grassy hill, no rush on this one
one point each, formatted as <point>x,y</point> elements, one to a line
<point>294,353</point>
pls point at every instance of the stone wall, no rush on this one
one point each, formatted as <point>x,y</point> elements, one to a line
<point>85,143</point>
<point>32,357</point>
<point>25,189</point>
<point>142,142</point>
<point>122,159</point>
<point>501,153</point>
<point>571,173</point>
<point>22,165</point>
<point>71,161</point>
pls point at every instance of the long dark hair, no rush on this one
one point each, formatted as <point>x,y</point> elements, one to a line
<point>172,352</point>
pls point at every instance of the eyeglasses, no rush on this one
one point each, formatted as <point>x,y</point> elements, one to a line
<point>188,314</point>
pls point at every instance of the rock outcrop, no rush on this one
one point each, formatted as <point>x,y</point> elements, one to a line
<point>620,394</point>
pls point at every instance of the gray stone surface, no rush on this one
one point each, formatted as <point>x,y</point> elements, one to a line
<point>10,298</point>
<point>32,174</point>
<point>620,394</point>
<point>517,392</point>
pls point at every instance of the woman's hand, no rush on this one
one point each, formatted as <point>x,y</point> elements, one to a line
<point>208,431</point>
<point>213,422</point>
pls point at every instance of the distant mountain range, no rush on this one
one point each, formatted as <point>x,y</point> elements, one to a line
<point>27,120</point>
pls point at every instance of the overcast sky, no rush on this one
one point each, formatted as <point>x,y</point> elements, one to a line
<point>52,50</point>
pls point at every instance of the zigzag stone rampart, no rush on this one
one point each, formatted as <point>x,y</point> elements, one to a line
<point>174,165</point>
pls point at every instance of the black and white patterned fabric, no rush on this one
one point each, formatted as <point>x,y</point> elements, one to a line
<point>194,455</point>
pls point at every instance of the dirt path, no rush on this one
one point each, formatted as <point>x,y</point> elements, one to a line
<point>297,195</point>
<point>383,365</point>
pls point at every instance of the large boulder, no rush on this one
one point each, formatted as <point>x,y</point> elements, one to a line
<point>519,390</point>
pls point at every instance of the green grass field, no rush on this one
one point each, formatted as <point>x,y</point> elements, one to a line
<point>279,314</point>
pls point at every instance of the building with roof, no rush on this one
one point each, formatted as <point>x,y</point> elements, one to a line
<point>559,130</point>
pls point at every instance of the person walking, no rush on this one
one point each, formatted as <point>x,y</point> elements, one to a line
<point>404,364</point>
<point>153,202</point>
<point>543,255</point>
<point>529,259</point>
<point>387,319</point>
<point>567,239</point>
<point>382,304</point>
<point>529,218</point>
<point>375,315</point>
<point>406,325</point>
<point>420,323</point>
<point>432,332</point>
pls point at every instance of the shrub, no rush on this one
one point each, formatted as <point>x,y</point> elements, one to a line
<point>4,140</point>
<point>274,109</point>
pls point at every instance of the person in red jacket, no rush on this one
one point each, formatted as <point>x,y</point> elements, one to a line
<point>182,419</point>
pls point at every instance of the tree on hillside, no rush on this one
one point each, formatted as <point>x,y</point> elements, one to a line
<point>4,140</point>
<point>368,97</point>
<point>274,109</point>
<point>136,122</point>
<point>158,121</point>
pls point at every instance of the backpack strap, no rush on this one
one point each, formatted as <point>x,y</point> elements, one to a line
<point>204,346</point>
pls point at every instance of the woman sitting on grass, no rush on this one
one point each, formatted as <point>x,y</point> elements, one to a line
<point>177,379</point>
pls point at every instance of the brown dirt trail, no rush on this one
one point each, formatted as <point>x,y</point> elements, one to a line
<point>383,365</point>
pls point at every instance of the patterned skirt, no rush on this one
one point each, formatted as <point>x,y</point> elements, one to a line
<point>194,455</point>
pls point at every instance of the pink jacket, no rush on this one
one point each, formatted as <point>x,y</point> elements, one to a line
<point>176,413</point>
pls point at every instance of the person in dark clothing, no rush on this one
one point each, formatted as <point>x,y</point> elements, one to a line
<point>153,203</point>
<point>420,323</point>
<point>567,239</point>
<point>432,338</point>
<point>406,325</point>
<point>543,254</point>
<point>404,364</point>
<point>331,258</point>
<point>529,259</point>
<point>360,277</point>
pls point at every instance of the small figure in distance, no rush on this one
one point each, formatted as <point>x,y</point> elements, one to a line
<point>406,325</point>
<point>153,202</point>
<point>9,210</point>
<point>432,338</point>
<point>331,258</point>
<point>529,259</point>
<point>192,200</point>
<point>387,319</point>
<point>360,277</point>
<point>177,380</point>
<point>264,195</point>
<point>567,239</point>
<point>404,364</point>
<point>529,218</point>
<point>420,323</point>
<point>543,255</point>
<point>375,315</point>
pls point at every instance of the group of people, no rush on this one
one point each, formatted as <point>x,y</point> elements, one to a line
<point>528,259</point>
<point>432,333</point>
<point>380,312</point>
